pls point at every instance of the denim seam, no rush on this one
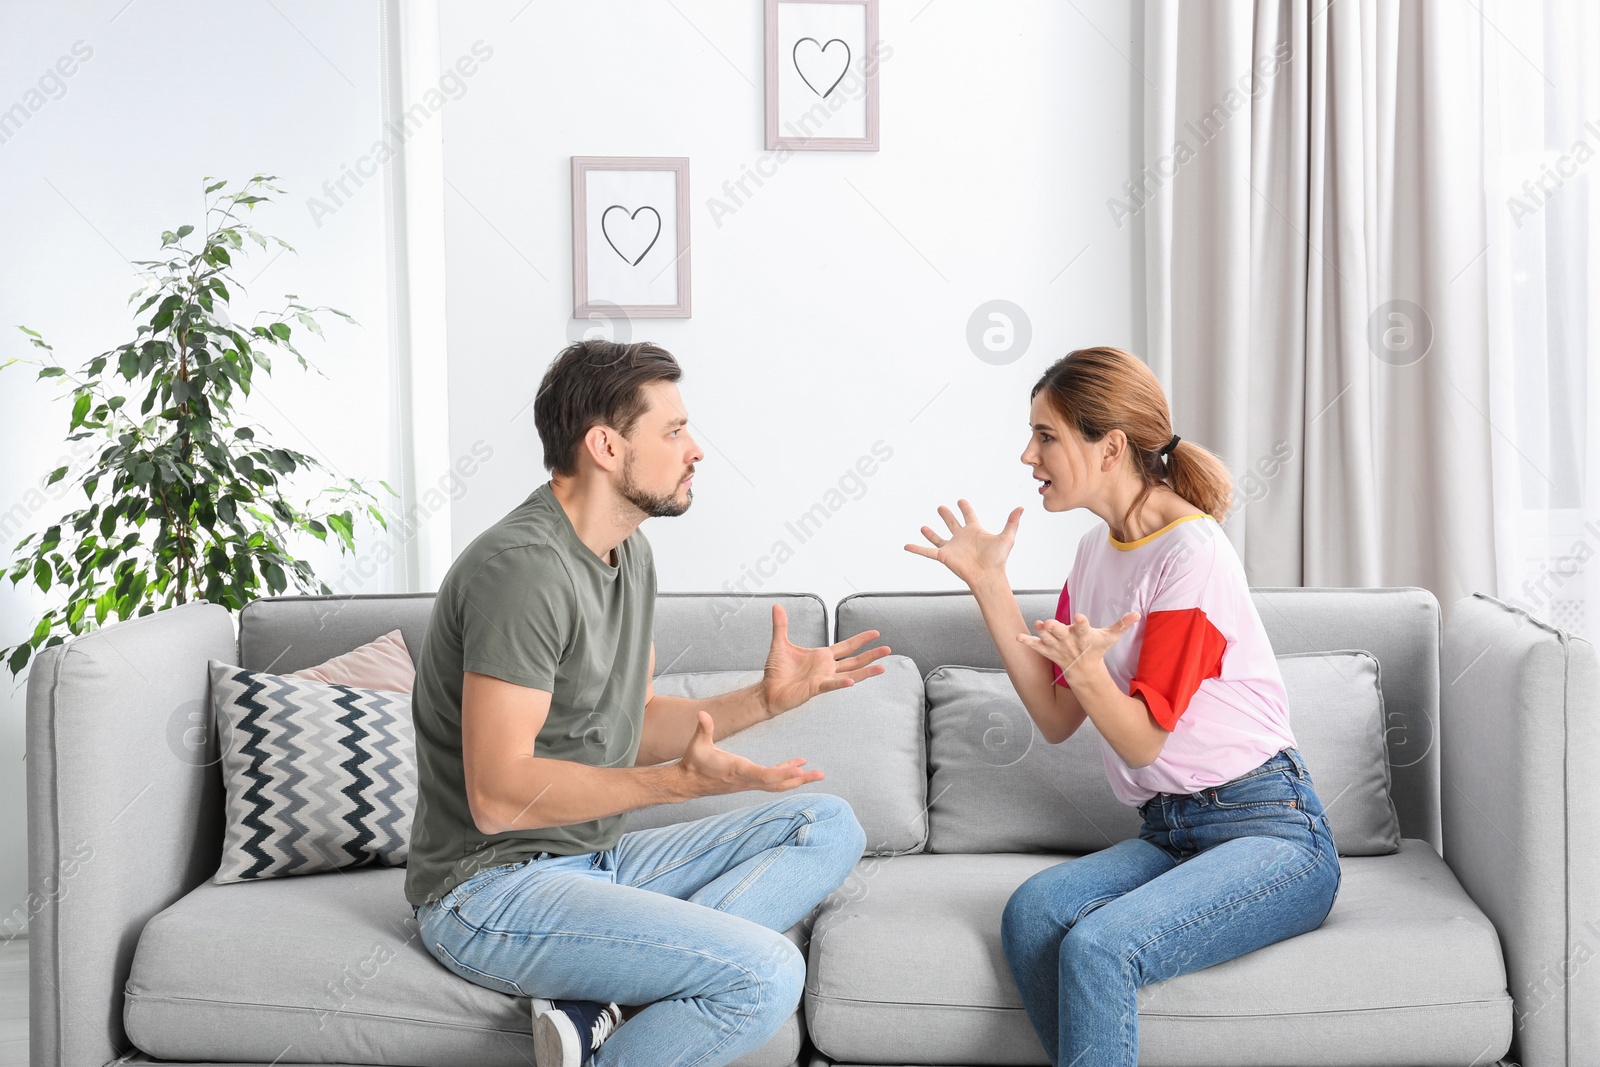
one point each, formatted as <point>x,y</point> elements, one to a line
<point>1090,906</point>
<point>751,878</point>
<point>482,881</point>
<point>1316,861</point>
<point>531,934</point>
<point>808,813</point>
<point>1224,806</point>
<point>1257,773</point>
<point>744,1017</point>
<point>1294,783</point>
<point>478,970</point>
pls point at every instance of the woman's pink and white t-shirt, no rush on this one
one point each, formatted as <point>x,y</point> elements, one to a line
<point>1198,655</point>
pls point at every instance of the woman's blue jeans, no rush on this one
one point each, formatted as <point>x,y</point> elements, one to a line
<point>688,919</point>
<point>1211,876</point>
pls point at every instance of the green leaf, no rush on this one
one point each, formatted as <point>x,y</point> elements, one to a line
<point>214,186</point>
<point>184,231</point>
<point>41,575</point>
<point>55,476</point>
<point>52,372</point>
<point>19,658</point>
<point>280,330</point>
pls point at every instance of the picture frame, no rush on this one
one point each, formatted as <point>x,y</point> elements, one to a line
<point>816,99</point>
<point>621,264</point>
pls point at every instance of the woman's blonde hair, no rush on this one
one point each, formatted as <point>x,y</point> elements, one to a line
<point>1098,390</point>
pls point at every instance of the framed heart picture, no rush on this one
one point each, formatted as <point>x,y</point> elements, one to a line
<point>822,75</point>
<point>630,237</point>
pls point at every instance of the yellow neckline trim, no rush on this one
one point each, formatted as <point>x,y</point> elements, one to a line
<point>1126,545</point>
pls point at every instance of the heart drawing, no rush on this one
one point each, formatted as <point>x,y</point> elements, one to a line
<point>821,67</point>
<point>630,231</point>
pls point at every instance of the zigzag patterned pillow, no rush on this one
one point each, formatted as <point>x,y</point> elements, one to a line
<point>318,777</point>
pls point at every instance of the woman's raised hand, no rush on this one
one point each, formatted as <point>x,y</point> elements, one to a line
<point>971,552</point>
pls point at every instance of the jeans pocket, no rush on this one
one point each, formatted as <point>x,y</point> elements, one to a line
<point>476,882</point>
<point>476,975</point>
<point>1273,789</point>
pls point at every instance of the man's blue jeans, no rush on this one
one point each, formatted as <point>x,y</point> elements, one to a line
<point>1211,876</point>
<point>688,919</point>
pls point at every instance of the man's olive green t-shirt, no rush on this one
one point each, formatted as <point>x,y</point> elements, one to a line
<point>528,602</point>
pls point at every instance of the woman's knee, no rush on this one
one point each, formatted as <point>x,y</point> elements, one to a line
<point>1029,917</point>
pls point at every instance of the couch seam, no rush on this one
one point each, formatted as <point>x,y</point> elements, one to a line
<point>1566,821</point>
<point>257,1004</point>
<point>829,997</point>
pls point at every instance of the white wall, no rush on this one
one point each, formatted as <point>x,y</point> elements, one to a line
<point>107,158</point>
<point>831,308</point>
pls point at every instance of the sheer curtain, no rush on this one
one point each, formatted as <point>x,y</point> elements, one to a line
<point>1542,151</point>
<point>1314,250</point>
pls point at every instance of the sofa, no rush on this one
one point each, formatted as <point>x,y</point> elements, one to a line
<point>1468,911</point>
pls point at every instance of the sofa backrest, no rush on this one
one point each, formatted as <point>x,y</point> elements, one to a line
<point>693,631</point>
<point>1400,627</point>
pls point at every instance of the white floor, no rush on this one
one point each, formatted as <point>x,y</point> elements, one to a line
<point>14,1002</point>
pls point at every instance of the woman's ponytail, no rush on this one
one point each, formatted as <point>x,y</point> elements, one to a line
<point>1198,476</point>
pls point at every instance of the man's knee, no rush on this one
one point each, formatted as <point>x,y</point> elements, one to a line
<point>834,817</point>
<point>779,970</point>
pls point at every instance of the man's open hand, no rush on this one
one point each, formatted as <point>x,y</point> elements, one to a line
<point>793,675</point>
<point>708,770</point>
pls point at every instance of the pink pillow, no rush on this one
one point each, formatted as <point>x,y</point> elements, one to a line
<point>381,664</point>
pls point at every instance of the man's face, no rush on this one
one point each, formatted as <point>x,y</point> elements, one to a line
<point>658,470</point>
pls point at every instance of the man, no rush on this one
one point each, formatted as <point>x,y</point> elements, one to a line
<point>537,727</point>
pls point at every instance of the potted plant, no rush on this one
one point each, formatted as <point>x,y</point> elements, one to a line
<point>183,500</point>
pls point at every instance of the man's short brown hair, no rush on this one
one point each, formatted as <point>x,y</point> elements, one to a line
<point>595,383</point>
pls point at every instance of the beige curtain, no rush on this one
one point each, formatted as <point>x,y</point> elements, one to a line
<point>1312,202</point>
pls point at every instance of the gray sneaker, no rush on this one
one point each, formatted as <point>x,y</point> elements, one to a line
<point>566,1033</point>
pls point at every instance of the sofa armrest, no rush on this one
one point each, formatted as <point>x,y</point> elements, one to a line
<point>1520,747</point>
<point>124,812</point>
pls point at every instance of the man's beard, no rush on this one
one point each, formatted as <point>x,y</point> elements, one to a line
<point>653,505</point>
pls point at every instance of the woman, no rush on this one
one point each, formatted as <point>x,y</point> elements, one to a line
<point>1157,641</point>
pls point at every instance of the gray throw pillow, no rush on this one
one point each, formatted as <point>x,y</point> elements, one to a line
<point>997,786</point>
<point>318,777</point>
<point>867,739</point>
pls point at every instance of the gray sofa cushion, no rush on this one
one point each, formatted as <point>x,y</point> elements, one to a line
<point>1405,969</point>
<point>1398,626</point>
<point>1336,712</point>
<point>997,786</point>
<point>326,968</point>
<point>867,739</point>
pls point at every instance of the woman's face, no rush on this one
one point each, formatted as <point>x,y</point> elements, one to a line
<point>1065,466</point>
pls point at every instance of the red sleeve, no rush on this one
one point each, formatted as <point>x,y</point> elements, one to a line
<point>1063,614</point>
<point>1180,650</point>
